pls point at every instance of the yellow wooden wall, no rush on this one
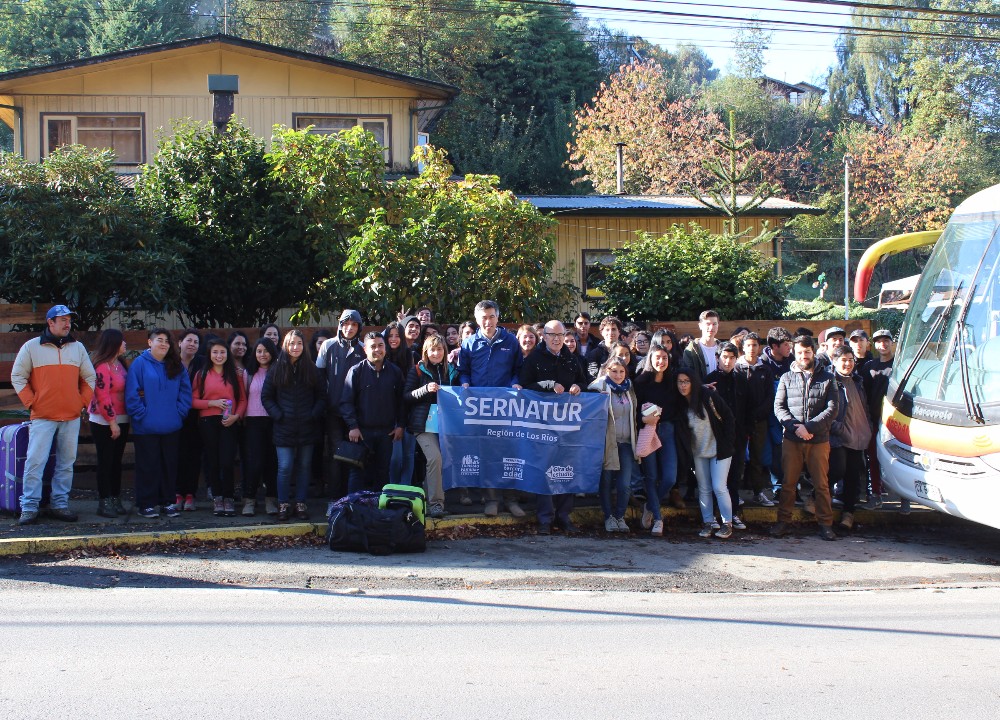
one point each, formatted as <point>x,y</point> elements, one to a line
<point>577,233</point>
<point>174,85</point>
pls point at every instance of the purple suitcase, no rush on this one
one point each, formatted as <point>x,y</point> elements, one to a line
<point>13,451</point>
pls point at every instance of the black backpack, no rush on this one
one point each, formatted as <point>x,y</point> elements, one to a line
<point>363,528</point>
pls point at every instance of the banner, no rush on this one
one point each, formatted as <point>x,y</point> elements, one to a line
<point>521,439</point>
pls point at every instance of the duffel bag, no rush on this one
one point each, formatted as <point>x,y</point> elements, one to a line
<point>362,528</point>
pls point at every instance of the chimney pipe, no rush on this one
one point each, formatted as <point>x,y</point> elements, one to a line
<point>224,89</point>
<point>620,166</point>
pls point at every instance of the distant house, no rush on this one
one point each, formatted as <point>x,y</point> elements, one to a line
<point>795,94</point>
<point>592,227</point>
<point>120,100</point>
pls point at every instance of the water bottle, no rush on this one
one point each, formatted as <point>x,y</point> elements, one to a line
<point>227,409</point>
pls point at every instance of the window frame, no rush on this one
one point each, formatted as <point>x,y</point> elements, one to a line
<point>591,293</point>
<point>73,117</point>
<point>359,118</point>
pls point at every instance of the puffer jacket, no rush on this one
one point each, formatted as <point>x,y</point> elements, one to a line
<point>416,396</point>
<point>806,398</point>
<point>296,408</point>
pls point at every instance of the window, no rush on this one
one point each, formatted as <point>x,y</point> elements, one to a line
<point>594,264</point>
<point>327,124</point>
<point>121,133</point>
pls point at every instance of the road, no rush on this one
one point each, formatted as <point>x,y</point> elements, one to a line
<point>878,626</point>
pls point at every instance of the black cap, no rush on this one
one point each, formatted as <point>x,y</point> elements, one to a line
<point>859,333</point>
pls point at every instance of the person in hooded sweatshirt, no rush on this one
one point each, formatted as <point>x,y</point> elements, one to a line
<point>759,410</point>
<point>336,356</point>
<point>850,433</point>
<point>157,398</point>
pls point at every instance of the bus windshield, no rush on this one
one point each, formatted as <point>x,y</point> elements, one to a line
<point>951,285</point>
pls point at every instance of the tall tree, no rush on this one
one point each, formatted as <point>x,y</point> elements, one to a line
<point>39,32</point>
<point>122,24</point>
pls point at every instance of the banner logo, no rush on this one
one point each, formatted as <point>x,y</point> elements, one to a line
<point>560,473</point>
<point>470,465</point>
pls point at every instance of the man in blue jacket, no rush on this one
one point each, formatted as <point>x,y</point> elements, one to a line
<point>492,358</point>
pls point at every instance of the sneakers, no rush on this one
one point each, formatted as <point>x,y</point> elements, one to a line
<point>284,511</point>
<point>715,525</point>
<point>301,511</point>
<point>738,524</point>
<point>904,506</point>
<point>657,530</point>
<point>179,501</point>
<point>725,532</point>
<point>622,525</point>
<point>846,521</point>
<point>150,512</point>
<point>763,500</point>
<point>610,525</point>
<point>271,506</point>
<point>63,514</point>
<point>437,511</point>
<point>706,530</point>
<point>465,499</point>
<point>218,506</point>
<point>172,510</point>
<point>249,508</point>
<point>189,503</point>
<point>492,509</point>
<point>647,519</point>
<point>28,517</point>
<point>229,507</point>
<point>515,509</point>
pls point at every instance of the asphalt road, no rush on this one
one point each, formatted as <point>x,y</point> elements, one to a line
<point>877,626</point>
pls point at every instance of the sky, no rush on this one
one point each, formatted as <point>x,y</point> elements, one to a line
<point>797,53</point>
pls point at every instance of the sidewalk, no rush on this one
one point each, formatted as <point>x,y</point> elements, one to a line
<point>93,531</point>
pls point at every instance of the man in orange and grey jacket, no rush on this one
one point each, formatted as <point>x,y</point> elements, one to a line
<point>54,378</point>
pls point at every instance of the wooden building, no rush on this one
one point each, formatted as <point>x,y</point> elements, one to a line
<point>122,100</point>
<point>592,227</point>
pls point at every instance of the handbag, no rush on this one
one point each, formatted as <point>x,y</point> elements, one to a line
<point>648,441</point>
<point>352,453</point>
<point>432,420</point>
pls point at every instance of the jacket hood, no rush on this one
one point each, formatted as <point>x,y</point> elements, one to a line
<point>347,316</point>
<point>741,362</point>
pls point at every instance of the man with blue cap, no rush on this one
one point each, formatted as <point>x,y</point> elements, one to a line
<point>54,378</point>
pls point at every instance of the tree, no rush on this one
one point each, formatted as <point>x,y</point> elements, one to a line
<point>124,24</point>
<point>666,140</point>
<point>451,244</point>
<point>687,270</point>
<point>71,233</point>
<point>257,226</point>
<point>295,25</point>
<point>39,32</point>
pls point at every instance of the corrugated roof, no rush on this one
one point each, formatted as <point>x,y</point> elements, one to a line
<point>674,205</point>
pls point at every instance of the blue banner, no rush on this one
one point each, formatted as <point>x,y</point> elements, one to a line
<point>521,439</point>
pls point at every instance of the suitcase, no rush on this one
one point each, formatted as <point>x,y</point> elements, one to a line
<point>13,451</point>
<point>404,496</point>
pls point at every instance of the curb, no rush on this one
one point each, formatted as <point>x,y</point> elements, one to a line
<point>590,517</point>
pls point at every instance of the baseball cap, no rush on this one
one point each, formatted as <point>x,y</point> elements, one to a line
<point>859,333</point>
<point>58,311</point>
<point>834,331</point>
<point>881,334</point>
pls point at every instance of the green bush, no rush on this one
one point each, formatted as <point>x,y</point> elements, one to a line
<point>688,270</point>
<point>891,320</point>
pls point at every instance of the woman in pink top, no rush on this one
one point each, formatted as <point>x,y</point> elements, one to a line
<point>109,420</point>
<point>261,461</point>
<point>221,400</point>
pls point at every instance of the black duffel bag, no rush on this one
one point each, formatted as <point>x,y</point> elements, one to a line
<point>362,528</point>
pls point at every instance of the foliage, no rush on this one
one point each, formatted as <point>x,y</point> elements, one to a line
<point>749,46</point>
<point>71,233</point>
<point>285,24</point>
<point>451,244</point>
<point>39,32</point>
<point>123,24</point>
<point>687,270</point>
<point>891,320</point>
<point>253,246</point>
<point>666,140</point>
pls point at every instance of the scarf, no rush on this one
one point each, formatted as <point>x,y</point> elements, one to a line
<point>618,389</point>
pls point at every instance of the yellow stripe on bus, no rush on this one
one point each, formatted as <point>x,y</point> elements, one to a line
<point>971,441</point>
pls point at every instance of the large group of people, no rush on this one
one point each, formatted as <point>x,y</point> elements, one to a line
<point>734,420</point>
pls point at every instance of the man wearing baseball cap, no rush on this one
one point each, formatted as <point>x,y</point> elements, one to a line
<point>861,347</point>
<point>833,338</point>
<point>54,378</point>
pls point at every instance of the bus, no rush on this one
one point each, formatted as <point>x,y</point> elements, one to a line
<point>939,441</point>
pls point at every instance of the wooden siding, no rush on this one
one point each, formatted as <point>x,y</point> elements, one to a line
<point>578,233</point>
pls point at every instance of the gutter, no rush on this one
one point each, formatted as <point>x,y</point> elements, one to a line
<point>19,112</point>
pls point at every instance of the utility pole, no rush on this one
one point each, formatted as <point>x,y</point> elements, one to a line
<point>847,236</point>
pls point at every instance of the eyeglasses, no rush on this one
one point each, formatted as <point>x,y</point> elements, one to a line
<point>683,382</point>
<point>556,334</point>
<point>641,341</point>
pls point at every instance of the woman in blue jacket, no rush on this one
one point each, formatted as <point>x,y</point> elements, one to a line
<point>157,397</point>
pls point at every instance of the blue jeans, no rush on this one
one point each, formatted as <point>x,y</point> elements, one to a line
<point>41,438</point>
<point>297,462</point>
<point>659,470</point>
<point>621,480</point>
<point>712,475</point>
<point>401,464</point>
